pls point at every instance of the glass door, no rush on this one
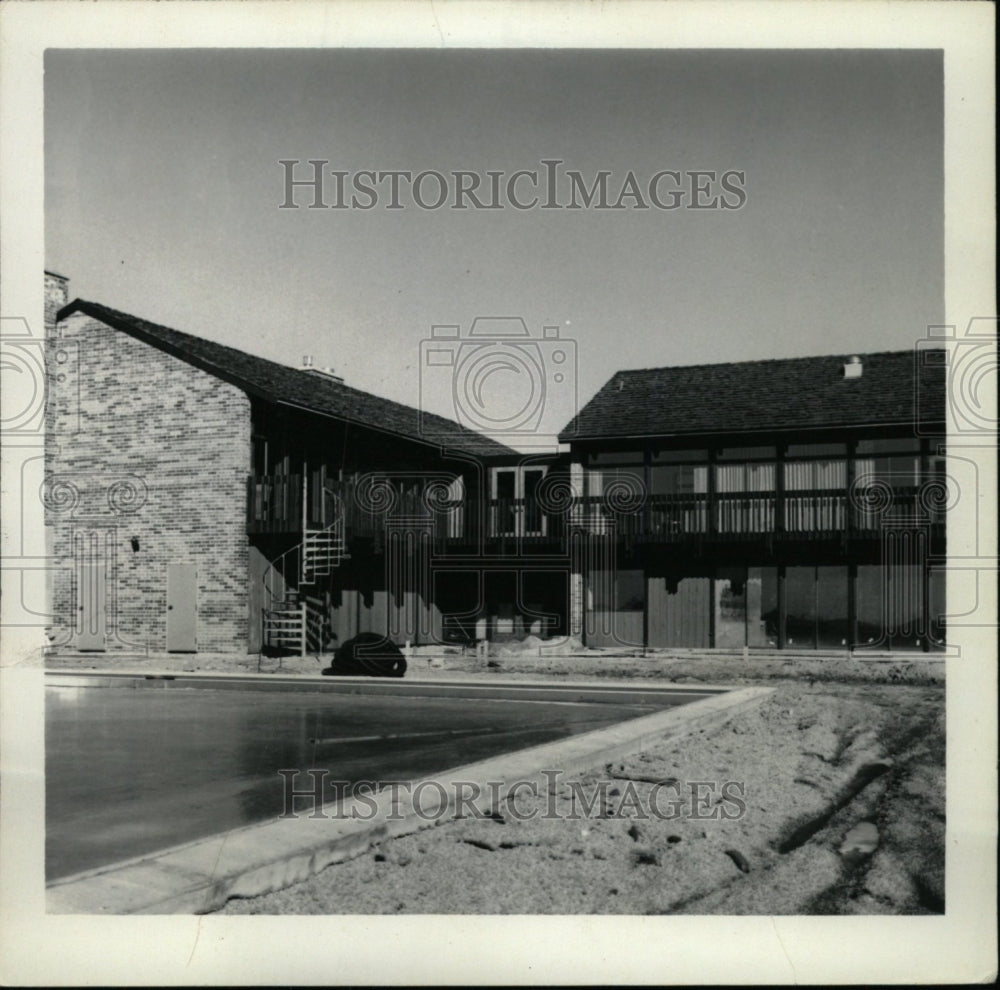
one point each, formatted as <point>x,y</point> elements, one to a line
<point>516,511</point>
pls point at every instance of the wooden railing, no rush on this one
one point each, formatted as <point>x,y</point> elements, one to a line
<point>275,505</point>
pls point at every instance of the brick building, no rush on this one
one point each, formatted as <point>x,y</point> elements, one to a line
<point>199,498</point>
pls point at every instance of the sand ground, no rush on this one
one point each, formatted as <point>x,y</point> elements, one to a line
<point>749,818</point>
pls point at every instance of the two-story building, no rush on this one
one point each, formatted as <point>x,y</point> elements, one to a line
<point>780,504</point>
<point>200,498</point>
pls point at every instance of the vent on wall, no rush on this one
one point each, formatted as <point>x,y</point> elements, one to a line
<point>853,367</point>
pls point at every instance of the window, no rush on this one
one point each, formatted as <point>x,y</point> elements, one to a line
<point>623,591</point>
<point>898,445</point>
<point>515,508</point>
<point>815,475</point>
<point>816,607</point>
<point>746,606</point>
<point>744,515</point>
<point>744,478</point>
<point>808,513</point>
<point>745,454</point>
<point>816,450</point>
<point>615,457</point>
<point>678,456</point>
<point>678,479</point>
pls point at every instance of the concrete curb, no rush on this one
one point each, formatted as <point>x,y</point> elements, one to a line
<point>624,691</point>
<point>201,876</point>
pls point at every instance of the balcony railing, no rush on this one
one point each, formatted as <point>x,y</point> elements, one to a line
<point>275,505</point>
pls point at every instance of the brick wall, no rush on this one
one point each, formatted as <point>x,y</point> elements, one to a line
<point>146,463</point>
<point>56,291</point>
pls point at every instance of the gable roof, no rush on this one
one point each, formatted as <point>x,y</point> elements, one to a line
<point>766,396</point>
<point>299,389</point>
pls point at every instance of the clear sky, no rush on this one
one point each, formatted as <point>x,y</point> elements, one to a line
<point>163,188</point>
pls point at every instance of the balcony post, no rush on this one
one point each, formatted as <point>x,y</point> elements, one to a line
<point>305,497</point>
<point>779,489</point>
<point>852,473</point>
<point>647,481</point>
<point>712,505</point>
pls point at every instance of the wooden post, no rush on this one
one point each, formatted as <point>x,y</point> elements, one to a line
<point>779,489</point>
<point>712,522</point>
<point>304,620</point>
<point>305,496</point>
<point>852,473</point>
<point>782,607</point>
<point>852,606</point>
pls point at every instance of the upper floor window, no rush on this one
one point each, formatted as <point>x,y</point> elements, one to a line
<point>678,479</point>
<point>896,445</point>
<point>816,450</point>
<point>745,454</point>
<point>610,457</point>
<point>744,477</point>
<point>678,456</point>
<point>812,475</point>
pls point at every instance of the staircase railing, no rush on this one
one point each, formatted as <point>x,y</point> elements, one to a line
<point>290,619</point>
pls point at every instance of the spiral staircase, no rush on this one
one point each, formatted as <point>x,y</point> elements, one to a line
<point>292,611</point>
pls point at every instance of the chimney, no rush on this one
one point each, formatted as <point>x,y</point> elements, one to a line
<point>56,296</point>
<point>853,367</point>
<point>328,373</point>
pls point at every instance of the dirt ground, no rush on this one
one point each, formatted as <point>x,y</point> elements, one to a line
<point>809,764</point>
<point>756,817</point>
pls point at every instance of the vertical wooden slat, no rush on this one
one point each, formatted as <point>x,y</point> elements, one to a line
<point>782,606</point>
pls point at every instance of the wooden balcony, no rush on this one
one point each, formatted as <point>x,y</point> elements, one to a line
<point>275,505</point>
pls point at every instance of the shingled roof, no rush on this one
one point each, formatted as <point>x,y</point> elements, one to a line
<point>289,386</point>
<point>766,396</point>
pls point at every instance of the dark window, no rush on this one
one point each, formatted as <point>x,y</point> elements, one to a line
<point>630,591</point>
<point>816,450</point>
<point>678,479</point>
<point>816,607</point>
<point>745,454</point>
<point>616,457</point>
<point>899,445</point>
<point>679,456</point>
<point>762,606</point>
<point>831,607</point>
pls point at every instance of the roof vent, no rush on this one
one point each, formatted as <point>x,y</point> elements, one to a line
<point>328,373</point>
<point>853,367</point>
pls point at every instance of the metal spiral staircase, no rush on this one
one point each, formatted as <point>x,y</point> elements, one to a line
<point>292,617</point>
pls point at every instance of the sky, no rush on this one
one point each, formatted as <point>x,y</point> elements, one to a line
<point>163,189</point>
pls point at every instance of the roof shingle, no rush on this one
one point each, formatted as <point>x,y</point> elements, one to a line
<point>290,386</point>
<point>895,388</point>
